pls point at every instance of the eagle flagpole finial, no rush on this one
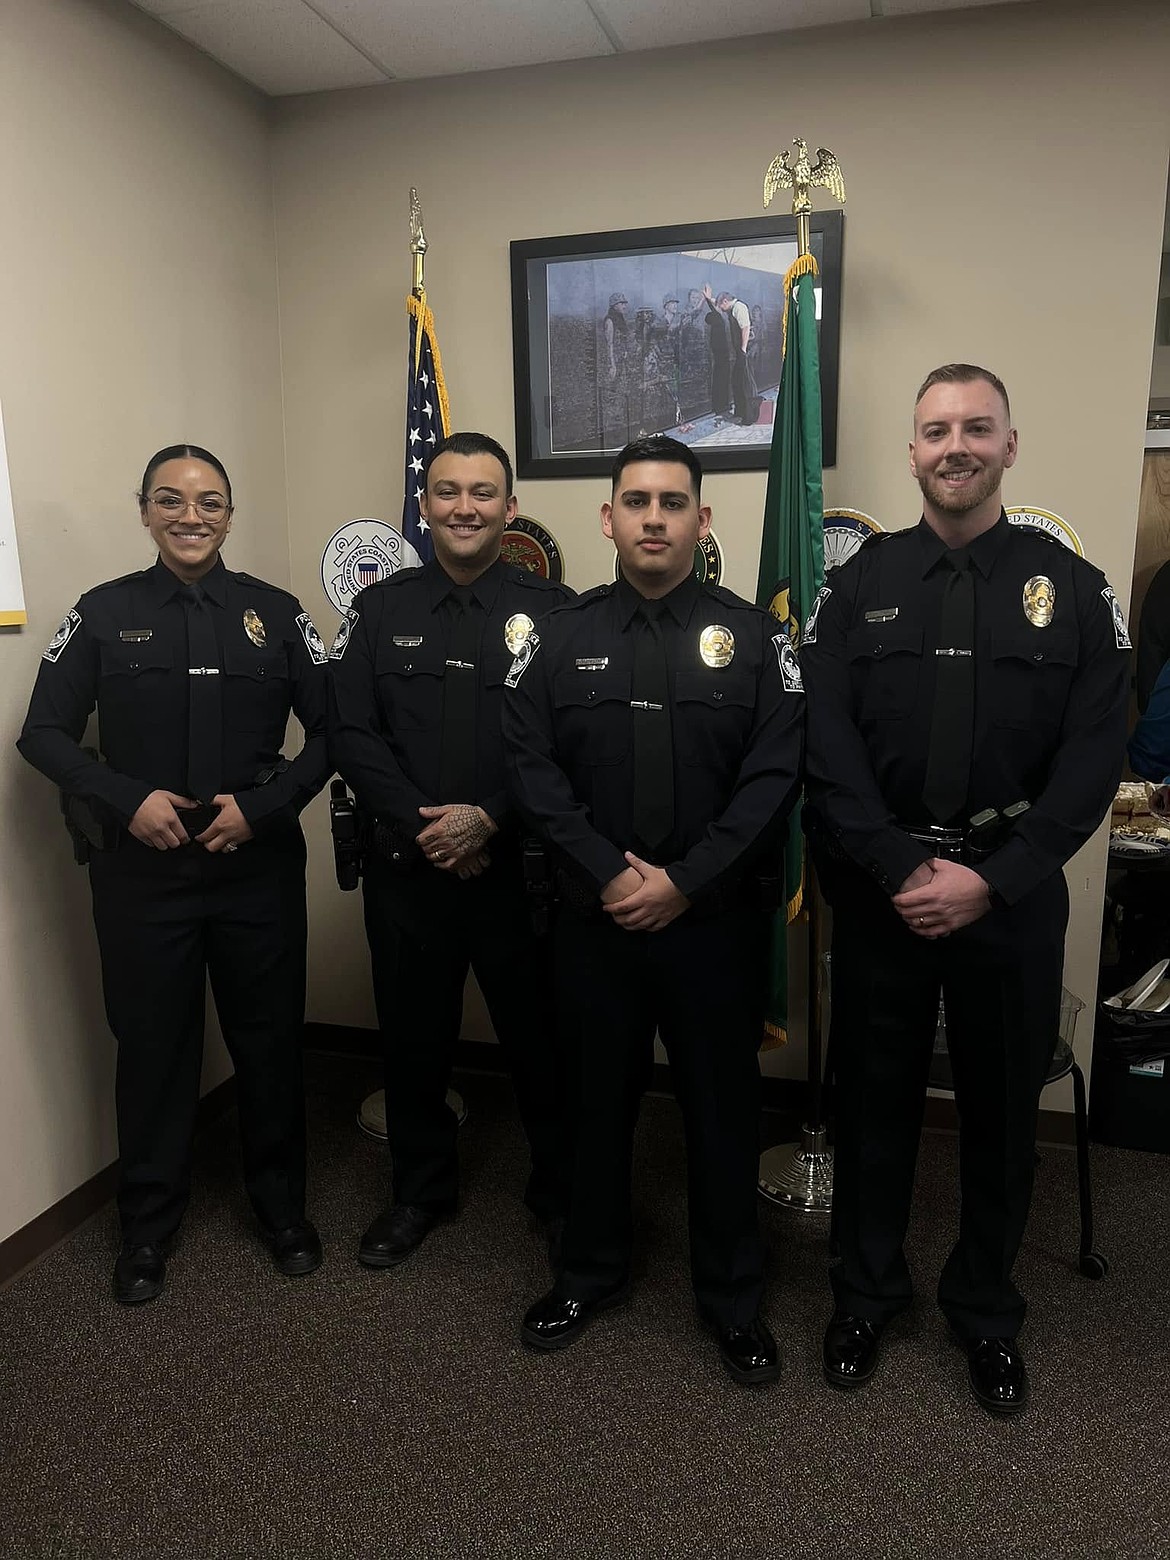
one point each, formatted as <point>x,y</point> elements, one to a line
<point>799,177</point>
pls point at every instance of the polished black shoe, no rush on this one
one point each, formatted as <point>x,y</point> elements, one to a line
<point>999,1378</point>
<point>849,1354</point>
<point>558,1320</point>
<point>295,1250</point>
<point>749,1353</point>
<point>138,1274</point>
<point>397,1232</point>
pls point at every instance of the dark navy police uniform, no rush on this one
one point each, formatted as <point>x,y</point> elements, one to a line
<point>167,919</point>
<point>734,734</point>
<point>1051,665</point>
<point>396,723</point>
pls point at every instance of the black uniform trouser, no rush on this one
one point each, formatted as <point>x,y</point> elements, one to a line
<point>166,921</point>
<point>1000,978</point>
<point>701,984</point>
<point>426,928</point>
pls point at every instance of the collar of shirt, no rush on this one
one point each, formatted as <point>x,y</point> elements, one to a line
<point>680,602</point>
<point>485,589</point>
<point>163,585</point>
<point>983,550</point>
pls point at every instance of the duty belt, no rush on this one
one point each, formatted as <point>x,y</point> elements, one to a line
<point>950,844</point>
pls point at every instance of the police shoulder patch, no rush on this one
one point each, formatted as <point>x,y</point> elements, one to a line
<point>1120,630</point>
<point>314,644</point>
<point>809,637</point>
<point>344,630</point>
<point>56,646</point>
<point>789,665</point>
<point>523,659</point>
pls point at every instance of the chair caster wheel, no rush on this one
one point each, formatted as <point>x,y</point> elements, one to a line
<point>1094,1265</point>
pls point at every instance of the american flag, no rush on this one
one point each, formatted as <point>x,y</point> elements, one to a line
<point>428,418</point>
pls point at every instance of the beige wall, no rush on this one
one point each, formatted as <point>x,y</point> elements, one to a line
<point>137,308</point>
<point>977,149</point>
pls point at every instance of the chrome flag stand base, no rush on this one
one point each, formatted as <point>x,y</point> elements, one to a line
<point>799,1175</point>
<point>371,1118</point>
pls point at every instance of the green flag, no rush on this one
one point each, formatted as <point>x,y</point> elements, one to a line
<point>792,557</point>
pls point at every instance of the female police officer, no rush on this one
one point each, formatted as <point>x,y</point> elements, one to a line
<point>193,670</point>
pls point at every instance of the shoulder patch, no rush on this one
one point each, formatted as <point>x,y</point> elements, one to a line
<point>56,646</point>
<point>523,659</point>
<point>344,630</point>
<point>314,644</point>
<point>789,665</point>
<point>809,636</point>
<point>1120,631</point>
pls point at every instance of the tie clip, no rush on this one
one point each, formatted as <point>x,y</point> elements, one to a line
<point>466,666</point>
<point>203,671</point>
<point>643,704</point>
<point>953,652</point>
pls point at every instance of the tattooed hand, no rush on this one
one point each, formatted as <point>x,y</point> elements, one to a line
<point>453,841</point>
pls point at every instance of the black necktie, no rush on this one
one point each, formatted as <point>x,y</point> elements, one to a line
<point>205,708</point>
<point>457,743</point>
<point>952,723</point>
<point>653,749</point>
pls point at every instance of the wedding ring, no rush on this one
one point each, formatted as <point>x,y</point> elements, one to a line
<point>231,847</point>
<point>922,920</point>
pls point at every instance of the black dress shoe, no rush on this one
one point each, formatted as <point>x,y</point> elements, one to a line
<point>750,1353</point>
<point>998,1375</point>
<point>138,1274</point>
<point>849,1353</point>
<point>397,1232</point>
<point>558,1320</point>
<point>295,1250</point>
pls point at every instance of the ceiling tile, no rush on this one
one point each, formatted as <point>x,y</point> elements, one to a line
<point>280,46</point>
<point>414,38</point>
<point>658,24</point>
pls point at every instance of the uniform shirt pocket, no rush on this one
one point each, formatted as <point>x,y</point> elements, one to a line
<point>1032,670</point>
<point>885,662</point>
<point>592,716</point>
<point>410,685</point>
<point>712,716</point>
<point>255,687</point>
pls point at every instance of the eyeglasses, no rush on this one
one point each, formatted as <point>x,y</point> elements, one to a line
<point>210,508</point>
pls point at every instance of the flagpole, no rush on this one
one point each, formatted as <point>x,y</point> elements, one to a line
<point>799,1175</point>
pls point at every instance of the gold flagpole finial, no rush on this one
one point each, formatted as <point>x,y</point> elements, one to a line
<point>799,177</point>
<point>418,243</point>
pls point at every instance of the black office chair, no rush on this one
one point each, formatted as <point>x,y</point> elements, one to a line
<point>1091,1263</point>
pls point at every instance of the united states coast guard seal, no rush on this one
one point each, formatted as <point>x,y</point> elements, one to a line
<point>361,553</point>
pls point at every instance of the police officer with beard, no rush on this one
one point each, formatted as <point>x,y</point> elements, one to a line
<point>966,696</point>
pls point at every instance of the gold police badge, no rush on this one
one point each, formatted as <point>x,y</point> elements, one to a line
<point>516,631</point>
<point>716,645</point>
<point>1039,600</point>
<point>254,628</point>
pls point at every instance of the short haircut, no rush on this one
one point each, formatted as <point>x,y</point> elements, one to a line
<point>473,444</point>
<point>964,374</point>
<point>724,297</point>
<point>182,452</point>
<point>658,447</point>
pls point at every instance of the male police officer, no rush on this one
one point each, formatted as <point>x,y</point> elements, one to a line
<point>653,730</point>
<point>414,726</point>
<point>966,691</point>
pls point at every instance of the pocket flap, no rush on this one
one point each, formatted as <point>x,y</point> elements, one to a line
<point>716,689</point>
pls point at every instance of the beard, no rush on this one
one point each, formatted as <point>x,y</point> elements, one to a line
<point>965,499</point>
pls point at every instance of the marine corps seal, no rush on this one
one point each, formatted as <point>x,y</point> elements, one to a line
<point>1039,600</point>
<point>516,631</point>
<point>716,645</point>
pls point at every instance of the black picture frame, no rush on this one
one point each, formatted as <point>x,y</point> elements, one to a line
<point>591,374</point>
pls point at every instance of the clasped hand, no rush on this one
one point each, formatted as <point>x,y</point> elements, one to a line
<point>940,896</point>
<point>158,823</point>
<point>454,839</point>
<point>642,898</point>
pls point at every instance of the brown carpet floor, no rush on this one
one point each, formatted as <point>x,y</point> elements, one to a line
<point>397,1414</point>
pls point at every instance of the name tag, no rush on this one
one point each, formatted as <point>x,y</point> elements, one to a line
<point>135,636</point>
<point>882,615</point>
<point>591,663</point>
<point>408,641</point>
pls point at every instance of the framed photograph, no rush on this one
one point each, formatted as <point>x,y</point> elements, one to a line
<point>674,330</point>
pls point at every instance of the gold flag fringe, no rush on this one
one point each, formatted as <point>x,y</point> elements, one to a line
<point>417,305</point>
<point>803,265</point>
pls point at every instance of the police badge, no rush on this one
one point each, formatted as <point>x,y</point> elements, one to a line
<point>716,645</point>
<point>1039,600</point>
<point>254,628</point>
<point>516,631</point>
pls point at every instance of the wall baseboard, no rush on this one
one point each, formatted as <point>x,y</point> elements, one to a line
<point>784,1095</point>
<point>39,1236</point>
